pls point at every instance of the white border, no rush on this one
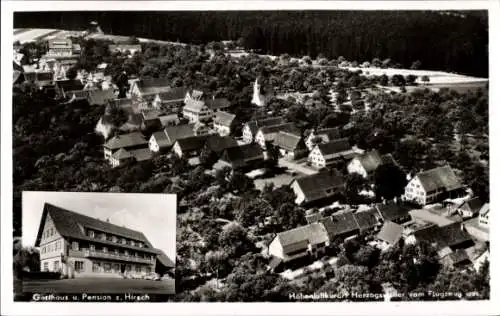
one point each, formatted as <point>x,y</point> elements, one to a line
<point>8,307</point>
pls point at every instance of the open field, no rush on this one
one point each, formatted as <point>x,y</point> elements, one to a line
<point>99,285</point>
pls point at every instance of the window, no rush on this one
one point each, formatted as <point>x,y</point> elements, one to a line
<point>132,243</point>
<point>114,239</point>
<point>45,266</point>
<point>116,267</point>
<point>96,267</point>
<point>124,241</point>
<point>126,252</point>
<point>52,232</point>
<point>116,252</point>
<point>79,266</point>
<point>74,245</point>
<point>128,267</point>
<point>56,265</point>
<point>103,236</point>
<point>92,247</point>
<point>137,268</point>
<point>91,233</point>
<point>148,269</point>
<point>107,267</point>
<point>105,249</point>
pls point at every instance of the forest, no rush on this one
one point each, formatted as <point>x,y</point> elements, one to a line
<point>449,42</point>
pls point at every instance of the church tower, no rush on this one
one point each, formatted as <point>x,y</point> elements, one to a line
<point>258,98</point>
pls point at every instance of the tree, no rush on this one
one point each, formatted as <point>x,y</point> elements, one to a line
<point>71,73</point>
<point>240,183</point>
<point>354,183</point>
<point>234,240</point>
<point>425,79</point>
<point>390,181</point>
<point>384,80</point>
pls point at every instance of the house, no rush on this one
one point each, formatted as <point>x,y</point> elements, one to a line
<point>99,97</point>
<point>190,146</point>
<point>217,144</point>
<point>251,128</point>
<point>145,90</point>
<point>125,48</point>
<point>309,240</point>
<point>478,261</point>
<point>129,142</point>
<point>291,146</point>
<point>341,225</point>
<point>368,220</point>
<point>317,187</point>
<point>433,186</point>
<point>169,120</point>
<point>266,134</point>
<point>200,129</point>
<point>478,227</point>
<point>468,208</point>
<point>81,246</point>
<point>390,234</point>
<point>367,163</point>
<point>457,259</point>
<point>452,235</point>
<point>62,47</point>
<point>65,88</point>
<point>241,157</point>
<point>124,155</point>
<point>204,110</point>
<point>150,120</point>
<point>258,98</point>
<point>224,122</point>
<point>324,135</point>
<point>329,153</point>
<point>394,212</point>
<point>163,140</point>
<point>170,100</point>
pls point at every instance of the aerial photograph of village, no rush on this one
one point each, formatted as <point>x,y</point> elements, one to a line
<point>316,156</point>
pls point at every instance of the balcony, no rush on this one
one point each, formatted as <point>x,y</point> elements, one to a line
<point>113,256</point>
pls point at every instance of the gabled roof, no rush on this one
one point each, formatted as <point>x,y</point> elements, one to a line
<point>152,86</point>
<point>289,141</point>
<point>340,224</point>
<point>443,236</point>
<point>121,154</point>
<point>243,153</point>
<point>141,154</point>
<point>219,103</point>
<point>301,237</point>
<point>126,140</point>
<point>194,105</point>
<point>174,133</point>
<point>165,260</point>
<point>367,219</point>
<point>473,205</point>
<point>372,159</point>
<point>100,97</point>
<point>122,103</point>
<point>174,94</point>
<point>256,124</point>
<point>151,114</point>
<point>161,139</point>
<point>192,143</point>
<point>439,178</point>
<point>218,144</point>
<point>69,85</point>
<point>335,147</point>
<point>390,232</point>
<point>327,134</point>
<point>70,224</point>
<point>224,118</point>
<point>392,211</point>
<point>320,185</point>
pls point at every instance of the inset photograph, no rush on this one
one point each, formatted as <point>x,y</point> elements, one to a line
<point>96,247</point>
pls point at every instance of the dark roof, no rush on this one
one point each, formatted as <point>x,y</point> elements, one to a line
<point>192,143</point>
<point>161,139</point>
<point>273,129</point>
<point>458,256</point>
<point>390,232</point>
<point>218,144</point>
<point>153,85</point>
<point>367,219</point>
<point>243,153</point>
<point>141,154</point>
<point>174,94</point>
<point>439,178</point>
<point>474,205</point>
<point>69,224</point>
<point>256,124</point>
<point>320,185</point>
<point>335,147</point>
<point>275,262</point>
<point>219,103</point>
<point>165,260</point>
<point>372,159</point>
<point>69,85</point>
<point>392,211</point>
<point>178,132</point>
<point>340,224</point>
<point>126,140</point>
<point>327,134</point>
<point>224,118</point>
<point>289,141</point>
<point>100,97</point>
<point>444,236</point>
